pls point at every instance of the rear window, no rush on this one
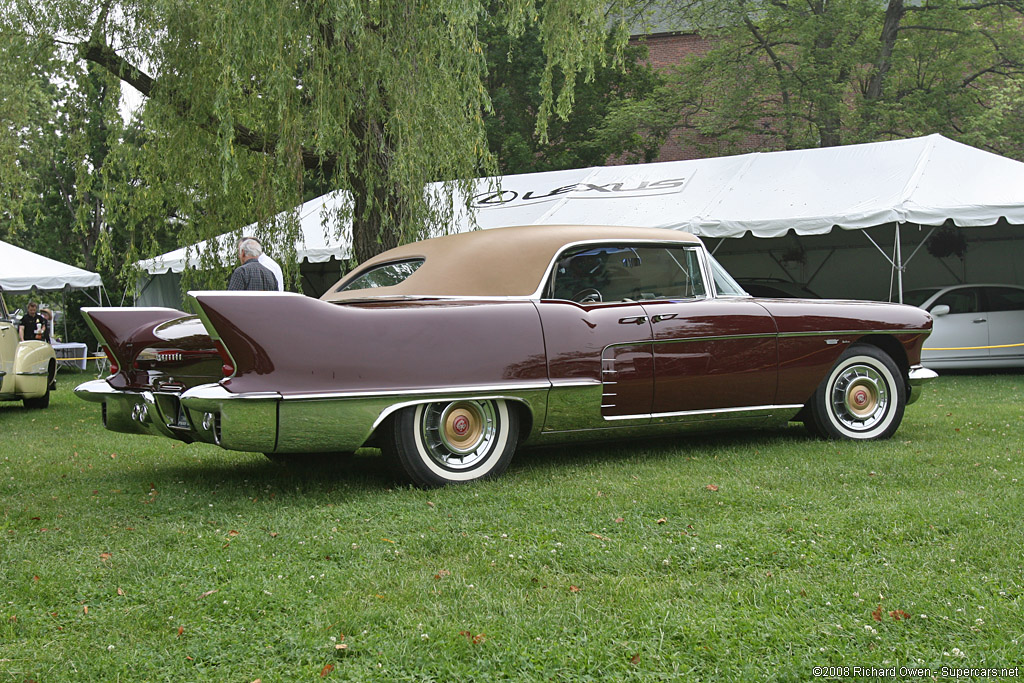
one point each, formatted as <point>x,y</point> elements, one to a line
<point>384,275</point>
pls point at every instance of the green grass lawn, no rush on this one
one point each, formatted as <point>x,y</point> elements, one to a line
<point>733,557</point>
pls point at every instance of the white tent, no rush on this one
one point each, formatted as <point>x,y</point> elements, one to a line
<point>313,245</point>
<point>22,271</point>
<point>921,181</point>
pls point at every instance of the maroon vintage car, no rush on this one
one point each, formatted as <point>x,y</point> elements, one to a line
<point>448,354</point>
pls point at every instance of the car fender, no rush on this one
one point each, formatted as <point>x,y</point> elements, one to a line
<point>34,367</point>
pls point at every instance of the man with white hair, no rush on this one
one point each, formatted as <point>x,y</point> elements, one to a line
<point>268,262</point>
<point>251,275</point>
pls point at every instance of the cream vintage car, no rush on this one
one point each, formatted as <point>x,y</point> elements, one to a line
<point>27,368</point>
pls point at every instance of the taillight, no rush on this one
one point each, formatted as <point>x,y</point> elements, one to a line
<point>114,369</point>
<point>229,367</point>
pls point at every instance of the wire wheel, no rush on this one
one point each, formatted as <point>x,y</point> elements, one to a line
<point>860,397</point>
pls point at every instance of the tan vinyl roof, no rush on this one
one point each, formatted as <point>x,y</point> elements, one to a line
<point>497,262</point>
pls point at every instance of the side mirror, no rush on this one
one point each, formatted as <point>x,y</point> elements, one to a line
<point>941,309</point>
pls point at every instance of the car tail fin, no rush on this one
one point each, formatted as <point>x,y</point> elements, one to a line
<point>242,323</point>
<point>125,331</point>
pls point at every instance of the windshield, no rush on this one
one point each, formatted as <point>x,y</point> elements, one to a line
<point>724,284</point>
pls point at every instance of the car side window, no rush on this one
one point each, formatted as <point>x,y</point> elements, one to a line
<point>960,301</point>
<point>627,273</point>
<point>1004,299</point>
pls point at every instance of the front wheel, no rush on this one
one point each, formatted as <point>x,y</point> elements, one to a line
<point>863,397</point>
<point>449,442</point>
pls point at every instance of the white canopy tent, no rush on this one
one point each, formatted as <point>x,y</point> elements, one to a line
<point>21,271</point>
<point>927,181</point>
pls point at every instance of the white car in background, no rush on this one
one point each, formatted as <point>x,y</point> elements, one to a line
<point>975,326</point>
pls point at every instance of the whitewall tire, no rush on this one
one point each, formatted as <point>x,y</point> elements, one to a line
<point>862,398</point>
<point>452,442</point>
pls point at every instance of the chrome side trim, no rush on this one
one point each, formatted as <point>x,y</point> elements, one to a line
<point>787,335</point>
<point>33,373</point>
<point>395,407</point>
<point>345,424</point>
<point>217,392</point>
<point>840,333</point>
<point>917,378</point>
<point>482,389</point>
<point>742,411</point>
<point>569,383</point>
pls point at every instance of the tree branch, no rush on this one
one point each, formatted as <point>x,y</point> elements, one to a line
<point>245,137</point>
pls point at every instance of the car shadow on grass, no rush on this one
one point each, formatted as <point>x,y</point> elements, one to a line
<point>367,472</point>
<point>656,449</point>
<point>341,475</point>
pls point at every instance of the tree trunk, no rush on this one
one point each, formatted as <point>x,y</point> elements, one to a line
<point>890,31</point>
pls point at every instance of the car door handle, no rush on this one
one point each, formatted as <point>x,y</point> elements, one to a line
<point>980,320</point>
<point>662,316</point>
<point>635,320</point>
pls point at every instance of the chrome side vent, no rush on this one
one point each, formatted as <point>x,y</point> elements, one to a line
<point>609,393</point>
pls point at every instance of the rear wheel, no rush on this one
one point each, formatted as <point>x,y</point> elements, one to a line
<point>450,442</point>
<point>863,397</point>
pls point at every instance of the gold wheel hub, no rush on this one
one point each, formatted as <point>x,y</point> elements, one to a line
<point>862,398</point>
<point>463,426</point>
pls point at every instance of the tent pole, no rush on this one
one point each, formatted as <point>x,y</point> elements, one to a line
<point>899,265</point>
<point>914,253</point>
<point>892,270</point>
<point>822,265</point>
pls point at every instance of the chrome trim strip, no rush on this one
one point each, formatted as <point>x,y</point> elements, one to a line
<point>216,392</point>
<point>483,389</point>
<point>841,333</point>
<point>723,337</point>
<point>716,411</point>
<point>32,373</point>
<point>729,337</point>
<point>583,382</point>
<point>395,407</point>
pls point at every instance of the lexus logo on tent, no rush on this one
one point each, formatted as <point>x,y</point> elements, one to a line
<point>505,197</point>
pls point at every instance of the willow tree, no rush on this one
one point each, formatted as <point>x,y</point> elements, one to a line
<point>251,107</point>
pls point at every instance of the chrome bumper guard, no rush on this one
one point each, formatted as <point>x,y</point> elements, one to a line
<point>208,413</point>
<point>918,377</point>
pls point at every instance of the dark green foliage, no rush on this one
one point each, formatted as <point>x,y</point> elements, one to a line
<point>784,75</point>
<point>515,67</point>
